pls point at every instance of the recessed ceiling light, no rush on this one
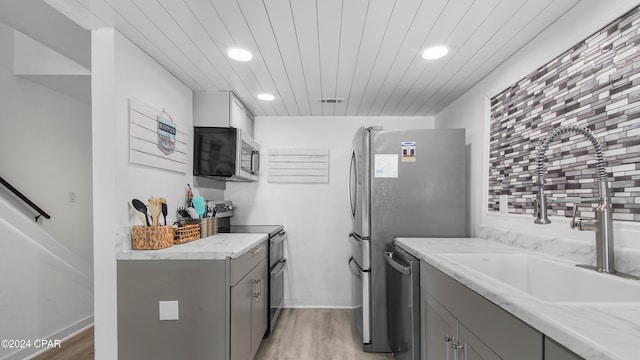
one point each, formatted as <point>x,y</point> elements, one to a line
<point>434,52</point>
<point>266,97</point>
<point>238,54</point>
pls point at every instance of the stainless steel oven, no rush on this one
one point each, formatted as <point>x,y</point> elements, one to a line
<point>277,264</point>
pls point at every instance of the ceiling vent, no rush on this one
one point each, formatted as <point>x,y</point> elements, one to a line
<point>331,100</point>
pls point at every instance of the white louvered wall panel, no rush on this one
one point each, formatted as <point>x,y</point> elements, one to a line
<point>310,166</point>
<point>143,146</point>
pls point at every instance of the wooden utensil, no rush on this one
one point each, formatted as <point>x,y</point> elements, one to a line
<point>155,208</point>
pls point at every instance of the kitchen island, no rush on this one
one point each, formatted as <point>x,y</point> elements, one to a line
<point>589,330</point>
<point>199,300</point>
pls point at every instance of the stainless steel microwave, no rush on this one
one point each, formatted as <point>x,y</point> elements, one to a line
<point>225,153</point>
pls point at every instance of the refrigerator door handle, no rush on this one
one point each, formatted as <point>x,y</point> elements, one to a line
<point>355,270</point>
<point>355,240</point>
<point>353,192</point>
<point>388,256</point>
<point>364,249</point>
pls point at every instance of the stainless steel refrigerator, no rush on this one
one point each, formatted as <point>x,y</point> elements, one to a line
<point>401,183</point>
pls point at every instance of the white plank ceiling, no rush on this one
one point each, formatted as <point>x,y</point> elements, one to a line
<point>365,51</point>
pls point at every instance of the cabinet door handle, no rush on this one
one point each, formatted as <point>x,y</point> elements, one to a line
<point>255,289</point>
<point>257,294</point>
<point>455,345</point>
<point>254,252</point>
<point>447,340</point>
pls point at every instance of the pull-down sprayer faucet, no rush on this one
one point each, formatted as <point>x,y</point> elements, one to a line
<point>602,225</point>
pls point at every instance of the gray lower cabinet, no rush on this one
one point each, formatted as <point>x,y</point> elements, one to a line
<point>446,338</point>
<point>459,324</point>
<point>555,351</point>
<point>438,329</point>
<point>249,313</point>
<point>221,307</point>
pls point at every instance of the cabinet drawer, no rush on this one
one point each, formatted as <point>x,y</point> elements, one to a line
<point>506,335</point>
<point>247,261</point>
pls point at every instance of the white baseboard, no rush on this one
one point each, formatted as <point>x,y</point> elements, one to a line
<point>318,307</point>
<point>62,335</point>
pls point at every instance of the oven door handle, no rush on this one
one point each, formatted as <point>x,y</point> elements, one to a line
<point>357,272</point>
<point>388,256</point>
<point>278,238</point>
<point>282,264</point>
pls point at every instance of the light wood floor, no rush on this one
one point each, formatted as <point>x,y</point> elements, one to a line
<point>79,347</point>
<point>315,334</point>
<point>301,334</point>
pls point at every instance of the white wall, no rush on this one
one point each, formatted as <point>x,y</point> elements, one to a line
<point>45,152</point>
<point>315,216</point>
<point>121,71</point>
<point>46,292</point>
<point>471,111</point>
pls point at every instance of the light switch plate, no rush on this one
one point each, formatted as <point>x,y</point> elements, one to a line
<point>168,310</point>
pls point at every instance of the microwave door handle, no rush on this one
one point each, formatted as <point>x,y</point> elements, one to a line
<point>256,162</point>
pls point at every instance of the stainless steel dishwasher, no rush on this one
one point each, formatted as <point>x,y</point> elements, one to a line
<point>403,304</point>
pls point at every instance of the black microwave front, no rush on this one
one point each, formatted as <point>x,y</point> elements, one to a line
<point>225,153</point>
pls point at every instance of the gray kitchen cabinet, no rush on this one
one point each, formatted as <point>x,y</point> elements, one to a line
<point>249,312</point>
<point>438,328</point>
<point>221,109</point>
<point>471,347</point>
<point>220,309</point>
<point>555,351</point>
<point>482,329</point>
<point>444,337</point>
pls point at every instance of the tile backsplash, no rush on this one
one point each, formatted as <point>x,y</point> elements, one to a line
<point>596,84</point>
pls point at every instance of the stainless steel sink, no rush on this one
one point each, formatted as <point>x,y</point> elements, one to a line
<point>548,280</point>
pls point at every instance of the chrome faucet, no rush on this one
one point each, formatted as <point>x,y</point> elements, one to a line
<point>602,225</point>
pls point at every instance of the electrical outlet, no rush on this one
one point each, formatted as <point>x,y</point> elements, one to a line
<point>72,196</point>
<point>168,310</point>
<point>504,204</point>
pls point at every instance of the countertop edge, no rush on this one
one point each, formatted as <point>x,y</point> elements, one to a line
<point>550,319</point>
<point>217,247</point>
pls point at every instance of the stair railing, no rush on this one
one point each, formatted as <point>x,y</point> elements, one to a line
<point>25,199</point>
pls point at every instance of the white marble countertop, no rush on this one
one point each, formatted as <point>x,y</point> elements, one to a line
<point>216,247</point>
<point>595,332</point>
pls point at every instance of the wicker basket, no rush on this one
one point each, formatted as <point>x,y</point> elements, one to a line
<point>208,226</point>
<point>151,237</point>
<point>186,233</point>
